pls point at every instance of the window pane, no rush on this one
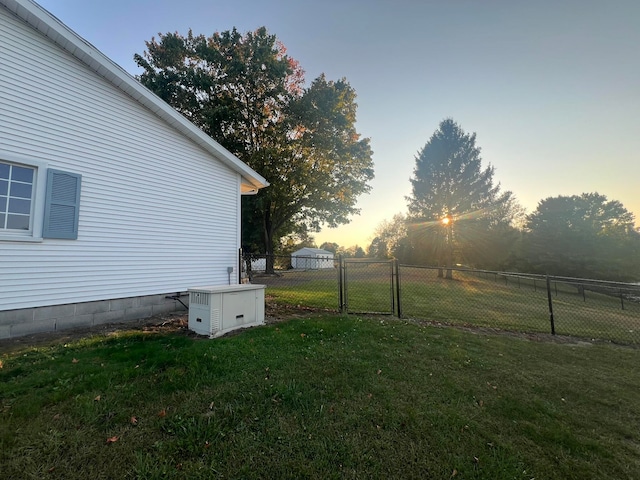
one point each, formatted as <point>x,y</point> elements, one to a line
<point>4,187</point>
<point>22,174</point>
<point>17,205</point>
<point>3,204</point>
<point>22,190</point>
<point>18,222</point>
<point>4,170</point>
<point>2,219</point>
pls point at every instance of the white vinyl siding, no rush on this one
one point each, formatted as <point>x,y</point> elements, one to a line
<point>158,214</point>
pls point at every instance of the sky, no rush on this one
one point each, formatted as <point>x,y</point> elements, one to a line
<point>551,89</point>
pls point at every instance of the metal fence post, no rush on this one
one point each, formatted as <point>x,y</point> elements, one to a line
<point>553,326</point>
<point>340,285</point>
<point>398,288</point>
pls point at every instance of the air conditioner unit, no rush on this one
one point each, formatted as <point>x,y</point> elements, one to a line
<point>216,310</point>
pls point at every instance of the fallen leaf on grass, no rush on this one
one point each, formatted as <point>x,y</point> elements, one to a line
<point>75,360</point>
<point>97,399</point>
<point>162,413</point>
<point>379,372</point>
<point>1,364</point>
<point>112,440</point>
<point>134,421</point>
<point>454,473</point>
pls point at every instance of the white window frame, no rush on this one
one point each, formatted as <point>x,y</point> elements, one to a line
<point>37,199</point>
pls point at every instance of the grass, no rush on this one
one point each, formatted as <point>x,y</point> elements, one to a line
<point>326,397</point>
<point>491,301</point>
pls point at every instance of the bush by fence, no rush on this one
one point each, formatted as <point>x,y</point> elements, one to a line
<point>506,300</point>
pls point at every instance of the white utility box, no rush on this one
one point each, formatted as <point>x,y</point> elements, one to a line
<point>217,310</point>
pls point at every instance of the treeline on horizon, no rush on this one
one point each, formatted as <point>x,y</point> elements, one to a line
<point>250,96</point>
<point>459,217</point>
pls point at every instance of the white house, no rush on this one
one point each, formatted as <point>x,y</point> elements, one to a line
<point>110,200</point>
<point>311,259</point>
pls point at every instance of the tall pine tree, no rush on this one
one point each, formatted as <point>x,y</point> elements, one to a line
<point>455,210</point>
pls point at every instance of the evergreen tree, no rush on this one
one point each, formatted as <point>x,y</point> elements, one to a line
<point>455,209</point>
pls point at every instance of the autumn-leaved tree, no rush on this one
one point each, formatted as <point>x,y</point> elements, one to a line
<point>456,212</point>
<point>246,93</point>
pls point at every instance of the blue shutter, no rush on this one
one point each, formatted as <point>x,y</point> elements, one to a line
<point>62,205</point>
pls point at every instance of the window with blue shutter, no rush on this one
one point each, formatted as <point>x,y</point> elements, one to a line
<point>62,205</point>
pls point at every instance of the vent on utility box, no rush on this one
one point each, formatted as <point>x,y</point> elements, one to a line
<point>199,298</point>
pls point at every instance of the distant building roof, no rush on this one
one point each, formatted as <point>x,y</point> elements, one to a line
<point>312,251</point>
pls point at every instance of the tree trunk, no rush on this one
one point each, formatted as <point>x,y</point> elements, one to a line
<point>267,232</point>
<point>449,275</point>
<point>270,259</point>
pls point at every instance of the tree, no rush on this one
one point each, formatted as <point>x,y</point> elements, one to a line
<point>455,209</point>
<point>354,251</point>
<point>330,247</point>
<point>245,92</point>
<point>582,236</point>
<point>378,249</point>
<point>391,238</point>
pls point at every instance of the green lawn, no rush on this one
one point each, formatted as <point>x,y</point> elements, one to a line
<point>326,397</point>
<point>491,301</point>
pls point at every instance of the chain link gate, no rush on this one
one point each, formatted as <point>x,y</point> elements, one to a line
<point>369,286</point>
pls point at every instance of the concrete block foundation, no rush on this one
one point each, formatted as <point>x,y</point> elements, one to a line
<point>26,321</point>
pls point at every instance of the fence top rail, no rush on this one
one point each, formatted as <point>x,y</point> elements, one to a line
<point>532,276</point>
<point>366,261</point>
<point>602,283</point>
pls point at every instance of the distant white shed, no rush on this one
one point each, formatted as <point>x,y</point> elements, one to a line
<point>259,264</point>
<point>311,259</point>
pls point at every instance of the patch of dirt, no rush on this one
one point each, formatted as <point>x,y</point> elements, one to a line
<point>177,323</point>
<point>172,322</point>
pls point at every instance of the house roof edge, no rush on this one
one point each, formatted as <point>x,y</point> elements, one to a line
<point>50,26</point>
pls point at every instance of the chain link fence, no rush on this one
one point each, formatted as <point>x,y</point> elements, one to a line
<point>510,301</point>
<point>523,302</point>
<point>314,283</point>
